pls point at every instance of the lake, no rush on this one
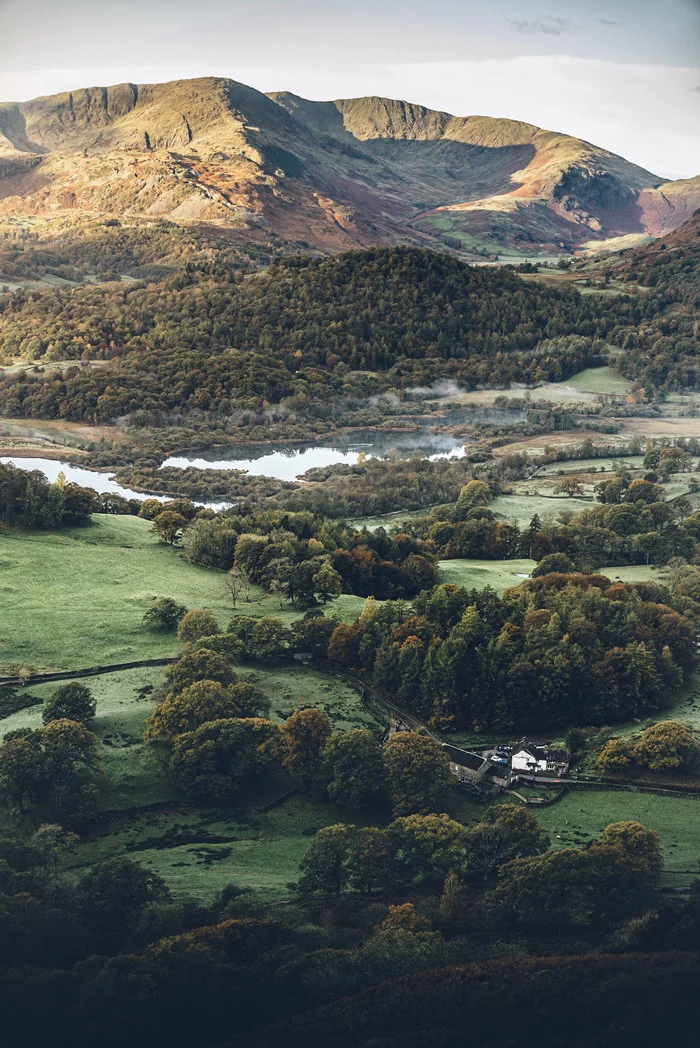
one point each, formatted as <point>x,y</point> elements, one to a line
<point>91,478</point>
<point>289,461</point>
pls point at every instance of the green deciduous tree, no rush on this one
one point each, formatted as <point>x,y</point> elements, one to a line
<point>56,766</point>
<point>371,861</point>
<point>324,865</point>
<point>73,702</point>
<point>417,772</point>
<point>196,624</point>
<point>203,701</point>
<point>427,846</point>
<point>200,664</point>
<point>115,891</point>
<point>164,615</point>
<point>327,582</point>
<point>211,762</point>
<point>353,772</point>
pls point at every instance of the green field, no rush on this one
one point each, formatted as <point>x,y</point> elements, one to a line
<point>501,574</point>
<point>77,597</point>
<point>389,520</point>
<point>600,465</point>
<point>475,574</point>
<point>579,817</point>
<point>522,508</point>
<point>600,380</point>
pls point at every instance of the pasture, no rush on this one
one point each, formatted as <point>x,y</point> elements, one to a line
<point>76,597</point>
<point>477,574</point>
<point>600,380</point>
<point>522,507</point>
<point>579,817</point>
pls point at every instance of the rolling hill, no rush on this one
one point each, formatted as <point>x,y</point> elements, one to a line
<point>327,175</point>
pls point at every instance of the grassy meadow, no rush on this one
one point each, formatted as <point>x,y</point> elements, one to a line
<point>600,380</point>
<point>579,817</point>
<point>76,597</point>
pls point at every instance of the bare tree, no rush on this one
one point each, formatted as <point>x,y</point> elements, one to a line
<point>235,585</point>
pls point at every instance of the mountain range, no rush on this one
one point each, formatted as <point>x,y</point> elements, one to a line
<point>323,175</point>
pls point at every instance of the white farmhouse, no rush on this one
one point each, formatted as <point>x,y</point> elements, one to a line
<point>532,757</point>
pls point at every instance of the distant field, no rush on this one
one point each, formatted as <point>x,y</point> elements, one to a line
<point>600,380</point>
<point>523,507</point>
<point>600,465</point>
<point>76,597</point>
<point>389,520</point>
<point>475,574</point>
<point>501,574</point>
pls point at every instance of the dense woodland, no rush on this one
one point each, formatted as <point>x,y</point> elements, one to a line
<point>662,356</point>
<point>207,338</point>
<point>210,335</point>
<point>555,651</point>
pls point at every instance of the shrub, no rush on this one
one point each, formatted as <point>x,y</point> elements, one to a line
<point>164,615</point>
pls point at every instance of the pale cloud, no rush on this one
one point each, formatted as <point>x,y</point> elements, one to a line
<point>549,25</point>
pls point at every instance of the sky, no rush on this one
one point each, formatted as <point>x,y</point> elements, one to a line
<point>624,74</point>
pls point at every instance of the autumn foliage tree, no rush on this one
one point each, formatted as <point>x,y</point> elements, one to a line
<point>196,624</point>
<point>202,701</point>
<point>306,733</point>
<point>169,525</point>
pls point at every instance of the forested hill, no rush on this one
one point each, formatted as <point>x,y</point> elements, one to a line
<point>663,355</point>
<point>212,338</point>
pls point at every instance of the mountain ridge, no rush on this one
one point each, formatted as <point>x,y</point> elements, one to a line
<point>330,175</point>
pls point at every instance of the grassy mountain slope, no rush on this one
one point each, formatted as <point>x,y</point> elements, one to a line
<point>331,175</point>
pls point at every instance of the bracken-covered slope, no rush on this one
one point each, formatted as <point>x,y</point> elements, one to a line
<point>326,174</point>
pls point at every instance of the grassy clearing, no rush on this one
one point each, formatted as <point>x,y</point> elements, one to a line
<point>579,817</point>
<point>522,507</point>
<point>199,851</point>
<point>501,574</point>
<point>599,465</point>
<point>389,520</point>
<point>77,597</point>
<point>476,574</point>
<point>600,380</point>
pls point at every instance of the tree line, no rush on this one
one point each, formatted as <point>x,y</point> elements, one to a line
<point>555,651</point>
